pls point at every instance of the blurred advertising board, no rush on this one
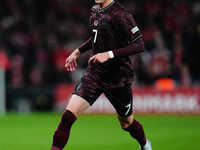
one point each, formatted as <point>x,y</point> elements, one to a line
<point>152,101</point>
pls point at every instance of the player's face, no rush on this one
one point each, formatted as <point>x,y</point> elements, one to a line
<point>100,1</point>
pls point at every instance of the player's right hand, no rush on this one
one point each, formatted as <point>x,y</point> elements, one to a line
<point>70,62</point>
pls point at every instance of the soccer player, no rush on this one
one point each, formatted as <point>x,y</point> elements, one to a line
<point>114,36</point>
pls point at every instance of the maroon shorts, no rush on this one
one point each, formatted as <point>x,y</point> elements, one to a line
<point>120,97</point>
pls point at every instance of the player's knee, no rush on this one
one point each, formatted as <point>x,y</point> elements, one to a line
<point>68,118</point>
<point>125,125</point>
<point>126,122</point>
<point>77,105</point>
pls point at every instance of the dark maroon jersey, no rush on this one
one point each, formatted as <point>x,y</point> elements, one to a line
<point>113,29</point>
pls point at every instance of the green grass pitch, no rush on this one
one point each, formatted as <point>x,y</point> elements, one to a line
<point>98,132</point>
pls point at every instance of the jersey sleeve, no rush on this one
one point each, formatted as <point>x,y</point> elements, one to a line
<point>87,45</point>
<point>133,36</point>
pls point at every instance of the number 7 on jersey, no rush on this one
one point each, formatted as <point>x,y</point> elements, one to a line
<point>95,36</point>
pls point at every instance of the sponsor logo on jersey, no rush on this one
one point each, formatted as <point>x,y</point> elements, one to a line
<point>134,30</point>
<point>96,22</point>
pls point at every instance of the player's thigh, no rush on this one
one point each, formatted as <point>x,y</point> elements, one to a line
<point>77,105</point>
<point>89,89</point>
<point>84,95</point>
<point>121,99</point>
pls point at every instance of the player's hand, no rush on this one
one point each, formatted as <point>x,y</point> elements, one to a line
<point>71,63</point>
<point>99,58</point>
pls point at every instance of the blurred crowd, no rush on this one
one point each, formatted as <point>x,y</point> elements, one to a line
<point>36,36</point>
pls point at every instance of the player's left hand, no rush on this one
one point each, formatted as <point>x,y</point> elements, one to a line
<point>99,58</point>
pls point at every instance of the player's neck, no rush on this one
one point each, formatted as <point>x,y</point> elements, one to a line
<point>106,3</point>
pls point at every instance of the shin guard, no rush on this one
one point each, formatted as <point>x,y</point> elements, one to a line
<point>62,133</point>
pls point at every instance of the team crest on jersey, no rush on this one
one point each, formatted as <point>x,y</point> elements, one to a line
<point>96,22</point>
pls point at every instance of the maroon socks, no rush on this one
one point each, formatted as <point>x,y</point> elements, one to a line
<point>62,133</point>
<point>137,132</point>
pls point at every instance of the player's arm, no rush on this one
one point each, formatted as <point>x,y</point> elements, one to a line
<point>87,45</point>
<point>135,42</point>
<point>71,63</point>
